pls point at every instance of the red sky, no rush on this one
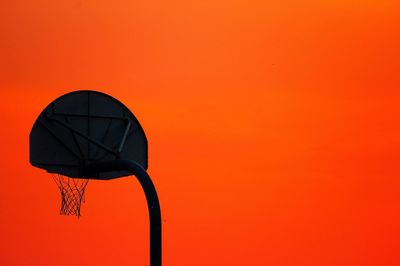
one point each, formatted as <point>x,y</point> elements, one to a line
<point>273,130</point>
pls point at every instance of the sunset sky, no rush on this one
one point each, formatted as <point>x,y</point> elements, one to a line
<point>273,130</point>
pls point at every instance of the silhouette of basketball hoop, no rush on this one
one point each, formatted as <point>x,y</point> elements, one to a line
<point>87,135</point>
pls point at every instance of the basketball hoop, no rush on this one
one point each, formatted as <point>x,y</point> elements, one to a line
<point>89,135</point>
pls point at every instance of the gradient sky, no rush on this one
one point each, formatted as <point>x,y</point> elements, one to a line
<point>273,130</point>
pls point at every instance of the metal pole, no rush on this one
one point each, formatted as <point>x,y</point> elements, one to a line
<point>151,197</point>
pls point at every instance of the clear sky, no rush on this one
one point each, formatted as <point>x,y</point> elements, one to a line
<point>273,130</point>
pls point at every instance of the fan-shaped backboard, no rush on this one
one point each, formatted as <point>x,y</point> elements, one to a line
<point>82,127</point>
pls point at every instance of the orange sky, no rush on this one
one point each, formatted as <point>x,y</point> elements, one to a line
<point>290,107</point>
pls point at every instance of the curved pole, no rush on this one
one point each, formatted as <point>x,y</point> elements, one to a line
<point>151,197</point>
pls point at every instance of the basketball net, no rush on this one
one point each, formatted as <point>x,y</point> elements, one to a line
<point>72,193</point>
